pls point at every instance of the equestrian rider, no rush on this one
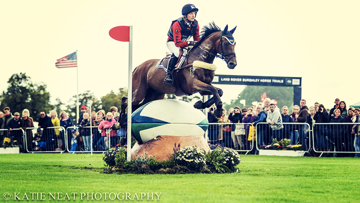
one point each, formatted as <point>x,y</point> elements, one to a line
<point>179,34</point>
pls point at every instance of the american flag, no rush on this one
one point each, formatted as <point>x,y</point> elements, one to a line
<point>69,61</point>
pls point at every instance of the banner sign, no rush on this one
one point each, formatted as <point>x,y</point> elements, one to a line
<point>256,80</point>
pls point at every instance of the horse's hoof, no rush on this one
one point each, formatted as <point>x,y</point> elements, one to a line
<point>198,105</point>
<point>219,106</point>
<point>220,92</point>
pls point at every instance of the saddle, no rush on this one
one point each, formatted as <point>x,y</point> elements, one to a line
<point>163,63</point>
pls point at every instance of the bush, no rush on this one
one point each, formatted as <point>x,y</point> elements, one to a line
<point>120,157</point>
<point>222,160</point>
<point>141,160</point>
<point>109,157</point>
<point>232,158</point>
<point>167,163</point>
<point>153,164</point>
<point>192,157</point>
<point>216,160</point>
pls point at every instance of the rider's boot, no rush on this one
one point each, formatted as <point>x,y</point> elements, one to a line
<point>171,65</point>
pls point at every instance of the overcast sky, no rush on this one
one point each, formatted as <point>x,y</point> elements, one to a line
<point>313,39</point>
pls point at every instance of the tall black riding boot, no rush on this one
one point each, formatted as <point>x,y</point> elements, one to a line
<point>171,65</point>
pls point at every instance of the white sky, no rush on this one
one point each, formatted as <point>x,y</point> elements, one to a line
<point>316,40</point>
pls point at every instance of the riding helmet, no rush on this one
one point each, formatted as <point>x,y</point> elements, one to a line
<point>188,8</point>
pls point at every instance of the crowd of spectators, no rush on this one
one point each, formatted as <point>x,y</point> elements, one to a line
<point>261,124</point>
<point>49,134</point>
<point>333,132</point>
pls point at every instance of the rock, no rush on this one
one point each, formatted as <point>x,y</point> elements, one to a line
<point>163,146</point>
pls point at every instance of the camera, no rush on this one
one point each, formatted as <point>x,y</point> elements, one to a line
<point>211,109</point>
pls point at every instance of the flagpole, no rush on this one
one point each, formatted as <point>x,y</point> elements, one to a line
<point>129,106</point>
<point>77,87</point>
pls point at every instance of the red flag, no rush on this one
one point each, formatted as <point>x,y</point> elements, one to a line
<point>69,61</point>
<point>120,33</point>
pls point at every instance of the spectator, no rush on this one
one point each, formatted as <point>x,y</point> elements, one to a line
<point>85,131</point>
<point>40,143</point>
<point>48,134</point>
<point>93,116</point>
<point>104,126</point>
<point>275,121</point>
<point>286,119</point>
<point>97,132</point>
<point>213,131</point>
<point>65,122</point>
<point>1,132</point>
<point>243,112</point>
<point>74,141</point>
<point>102,113</point>
<point>236,117</point>
<point>310,120</point>
<point>260,128</point>
<point>303,114</point>
<point>83,109</point>
<point>266,102</point>
<point>113,110</point>
<point>316,106</point>
<point>294,134</point>
<point>225,130</point>
<point>337,131</point>
<point>117,116</point>
<point>56,123</point>
<point>5,120</point>
<point>343,111</point>
<point>15,123</point>
<point>321,130</point>
<point>349,135</point>
<point>357,134</point>
<point>28,122</point>
<point>336,106</point>
<point>250,117</point>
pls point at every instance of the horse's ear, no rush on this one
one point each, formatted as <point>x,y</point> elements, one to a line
<point>225,30</point>
<point>233,30</point>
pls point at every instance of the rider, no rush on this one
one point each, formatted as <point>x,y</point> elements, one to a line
<point>179,34</point>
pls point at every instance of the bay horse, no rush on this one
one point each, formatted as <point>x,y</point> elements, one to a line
<point>147,78</point>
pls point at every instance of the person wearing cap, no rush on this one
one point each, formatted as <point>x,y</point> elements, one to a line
<point>28,122</point>
<point>15,123</point>
<point>83,110</point>
<point>179,34</point>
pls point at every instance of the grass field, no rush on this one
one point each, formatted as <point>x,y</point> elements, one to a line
<point>262,179</point>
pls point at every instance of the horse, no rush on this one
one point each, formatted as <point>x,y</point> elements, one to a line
<point>147,78</point>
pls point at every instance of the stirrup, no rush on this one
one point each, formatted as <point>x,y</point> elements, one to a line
<point>168,80</point>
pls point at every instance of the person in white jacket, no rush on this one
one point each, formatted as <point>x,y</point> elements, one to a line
<point>275,121</point>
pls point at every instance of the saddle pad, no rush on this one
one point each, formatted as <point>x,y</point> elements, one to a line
<point>160,65</point>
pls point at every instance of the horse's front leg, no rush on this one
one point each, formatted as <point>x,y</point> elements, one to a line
<point>210,101</point>
<point>207,89</point>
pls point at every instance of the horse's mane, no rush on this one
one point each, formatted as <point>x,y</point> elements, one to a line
<point>206,31</point>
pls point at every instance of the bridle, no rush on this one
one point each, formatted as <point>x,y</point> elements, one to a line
<point>223,55</point>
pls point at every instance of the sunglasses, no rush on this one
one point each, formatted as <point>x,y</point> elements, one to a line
<point>42,114</point>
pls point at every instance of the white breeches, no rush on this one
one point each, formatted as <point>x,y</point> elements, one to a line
<point>174,49</point>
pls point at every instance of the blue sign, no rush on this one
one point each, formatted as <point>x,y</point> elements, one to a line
<point>256,80</point>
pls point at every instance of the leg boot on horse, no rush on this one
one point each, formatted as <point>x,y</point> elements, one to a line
<point>171,65</point>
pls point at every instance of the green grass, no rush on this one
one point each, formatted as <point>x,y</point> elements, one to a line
<point>262,179</point>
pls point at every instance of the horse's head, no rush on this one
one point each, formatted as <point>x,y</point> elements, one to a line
<point>226,47</point>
